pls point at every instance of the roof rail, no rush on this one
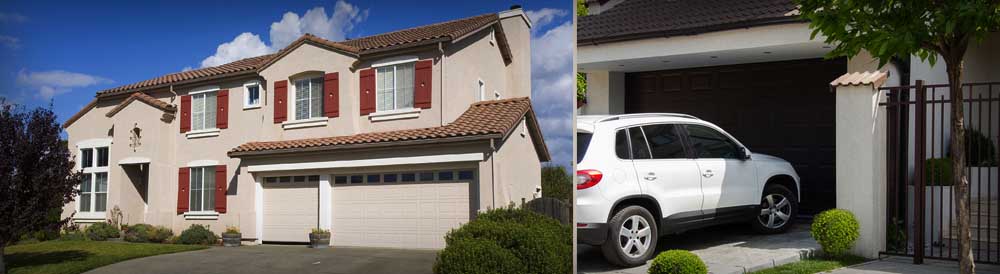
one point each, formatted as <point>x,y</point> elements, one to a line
<point>645,115</point>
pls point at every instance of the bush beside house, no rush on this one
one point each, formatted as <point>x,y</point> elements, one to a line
<point>144,233</point>
<point>835,230</point>
<point>677,262</point>
<point>197,235</point>
<point>527,242</point>
<point>102,231</point>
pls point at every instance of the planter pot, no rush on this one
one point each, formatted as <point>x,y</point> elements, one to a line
<point>319,240</point>
<point>938,209</point>
<point>231,239</point>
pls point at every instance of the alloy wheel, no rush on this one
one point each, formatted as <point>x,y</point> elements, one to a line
<point>775,211</point>
<point>634,237</point>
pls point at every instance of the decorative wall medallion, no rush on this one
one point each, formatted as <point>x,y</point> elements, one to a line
<point>135,138</point>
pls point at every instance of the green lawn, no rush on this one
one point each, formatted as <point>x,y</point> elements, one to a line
<point>809,266</point>
<point>70,257</point>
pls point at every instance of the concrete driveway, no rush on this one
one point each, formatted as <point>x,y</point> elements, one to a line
<point>725,249</point>
<point>281,259</point>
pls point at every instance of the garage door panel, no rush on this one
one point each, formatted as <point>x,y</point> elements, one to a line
<point>291,210</point>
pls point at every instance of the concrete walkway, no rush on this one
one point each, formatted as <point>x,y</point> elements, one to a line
<point>893,265</point>
<point>725,249</point>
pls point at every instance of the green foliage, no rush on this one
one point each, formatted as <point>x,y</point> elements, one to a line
<point>557,183</point>
<point>102,231</point>
<point>581,8</point>
<point>835,230</point>
<point>197,235</point>
<point>814,265</point>
<point>979,149</point>
<point>320,231</point>
<point>938,172</point>
<point>527,242</point>
<point>232,230</point>
<point>677,261</point>
<point>896,236</point>
<point>581,86</point>
<point>71,257</point>
<point>73,236</point>
<point>144,233</point>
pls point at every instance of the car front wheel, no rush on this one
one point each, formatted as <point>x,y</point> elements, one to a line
<point>632,237</point>
<point>777,210</point>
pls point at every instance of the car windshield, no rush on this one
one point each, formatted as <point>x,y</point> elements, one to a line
<point>582,142</point>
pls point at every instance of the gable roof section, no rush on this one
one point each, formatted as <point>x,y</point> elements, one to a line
<point>244,66</point>
<point>481,121</point>
<point>143,97</point>
<point>79,114</point>
<point>638,19</point>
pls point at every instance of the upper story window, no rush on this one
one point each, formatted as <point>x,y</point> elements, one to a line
<point>203,110</point>
<point>252,92</point>
<point>309,98</point>
<point>394,86</point>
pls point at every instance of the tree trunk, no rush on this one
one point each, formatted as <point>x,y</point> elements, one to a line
<point>959,176</point>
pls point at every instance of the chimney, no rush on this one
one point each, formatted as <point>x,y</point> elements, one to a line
<point>515,7</point>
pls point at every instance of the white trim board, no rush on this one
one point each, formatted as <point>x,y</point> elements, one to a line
<point>431,159</point>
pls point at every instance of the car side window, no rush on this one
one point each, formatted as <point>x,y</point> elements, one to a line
<point>640,150</point>
<point>710,143</point>
<point>621,145</point>
<point>664,142</point>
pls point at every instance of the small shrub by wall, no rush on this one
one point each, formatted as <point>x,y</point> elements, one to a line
<point>677,262</point>
<point>144,233</point>
<point>102,231</point>
<point>835,230</point>
<point>197,235</point>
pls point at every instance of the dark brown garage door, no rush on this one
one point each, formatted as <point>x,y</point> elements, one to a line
<point>785,109</point>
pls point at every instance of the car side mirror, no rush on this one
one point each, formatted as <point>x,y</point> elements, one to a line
<point>743,153</point>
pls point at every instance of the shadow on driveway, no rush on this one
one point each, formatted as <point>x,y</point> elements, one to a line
<point>731,248</point>
<point>281,259</point>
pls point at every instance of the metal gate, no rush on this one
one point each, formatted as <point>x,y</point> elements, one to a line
<point>921,217</point>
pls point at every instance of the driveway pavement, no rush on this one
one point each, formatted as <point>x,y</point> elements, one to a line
<point>281,259</point>
<point>894,265</point>
<point>725,249</point>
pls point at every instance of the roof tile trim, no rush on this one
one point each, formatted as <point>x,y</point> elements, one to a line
<point>875,78</point>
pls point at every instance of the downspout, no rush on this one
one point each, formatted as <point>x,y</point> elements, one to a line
<point>441,78</point>
<point>493,174</point>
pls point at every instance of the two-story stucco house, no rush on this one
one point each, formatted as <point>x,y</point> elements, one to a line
<point>388,140</point>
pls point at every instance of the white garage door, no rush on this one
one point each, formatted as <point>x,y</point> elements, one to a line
<point>290,209</point>
<point>381,210</point>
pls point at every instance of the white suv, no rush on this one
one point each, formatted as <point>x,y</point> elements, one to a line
<point>640,176</point>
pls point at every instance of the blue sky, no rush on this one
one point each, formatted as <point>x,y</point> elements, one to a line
<point>64,52</point>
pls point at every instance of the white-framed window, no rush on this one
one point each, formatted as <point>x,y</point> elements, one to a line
<point>481,90</point>
<point>202,189</point>
<point>203,110</point>
<point>308,98</point>
<point>394,86</point>
<point>253,91</point>
<point>93,199</point>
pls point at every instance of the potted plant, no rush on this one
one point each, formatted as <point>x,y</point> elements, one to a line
<point>319,238</point>
<point>232,237</point>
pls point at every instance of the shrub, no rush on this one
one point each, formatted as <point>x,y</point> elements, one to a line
<point>144,233</point>
<point>197,235</point>
<point>320,231</point>
<point>73,236</point>
<point>938,172</point>
<point>232,230</point>
<point>979,149</point>
<point>835,230</point>
<point>532,243</point>
<point>677,262</point>
<point>102,231</point>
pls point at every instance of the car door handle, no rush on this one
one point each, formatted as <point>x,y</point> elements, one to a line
<point>650,176</point>
<point>708,174</point>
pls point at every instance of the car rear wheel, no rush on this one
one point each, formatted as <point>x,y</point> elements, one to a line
<point>778,207</point>
<point>632,237</point>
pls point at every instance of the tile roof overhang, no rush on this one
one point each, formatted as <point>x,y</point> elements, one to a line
<point>142,97</point>
<point>641,19</point>
<point>874,78</point>
<point>485,120</point>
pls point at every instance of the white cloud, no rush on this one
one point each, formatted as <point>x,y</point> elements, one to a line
<point>553,51</point>
<point>54,82</point>
<point>553,84</point>
<point>10,42</point>
<point>12,18</point>
<point>542,17</point>
<point>316,21</point>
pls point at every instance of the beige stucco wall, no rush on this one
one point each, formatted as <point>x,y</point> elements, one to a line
<point>517,168</point>
<point>519,71</point>
<point>466,62</point>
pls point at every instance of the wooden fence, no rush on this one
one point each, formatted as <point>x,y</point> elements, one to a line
<point>552,207</point>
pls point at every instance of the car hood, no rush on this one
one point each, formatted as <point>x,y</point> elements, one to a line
<point>766,158</point>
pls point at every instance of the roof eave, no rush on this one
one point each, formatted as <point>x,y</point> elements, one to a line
<point>276,152</point>
<point>689,31</point>
<point>178,83</point>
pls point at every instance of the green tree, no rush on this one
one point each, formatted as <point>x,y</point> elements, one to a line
<point>923,28</point>
<point>581,78</point>
<point>557,183</point>
<point>36,173</point>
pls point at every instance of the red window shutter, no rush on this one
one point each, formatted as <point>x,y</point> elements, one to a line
<point>222,111</point>
<point>367,91</point>
<point>185,113</point>
<point>280,101</point>
<point>331,95</point>
<point>220,188</point>
<point>183,182</point>
<point>423,74</point>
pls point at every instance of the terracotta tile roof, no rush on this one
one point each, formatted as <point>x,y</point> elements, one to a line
<point>72,119</point>
<point>482,120</point>
<point>451,30</point>
<point>143,97</point>
<point>638,19</point>
<point>244,66</point>
<point>861,78</point>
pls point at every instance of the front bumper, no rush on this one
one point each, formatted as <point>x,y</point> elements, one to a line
<point>592,234</point>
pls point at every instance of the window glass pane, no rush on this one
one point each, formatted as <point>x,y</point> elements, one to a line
<point>340,180</point>
<point>446,175</point>
<point>404,85</point>
<point>208,190</point>
<point>409,177</point>
<point>299,179</point>
<point>285,179</point>
<point>253,95</point>
<point>373,178</point>
<point>102,156</point>
<point>316,97</point>
<point>195,191</point>
<point>664,142</point>
<point>313,178</point>
<point>427,176</point>
<point>465,175</point>
<point>302,99</point>
<point>101,182</point>
<point>210,110</point>
<point>86,183</point>
<point>100,202</point>
<point>582,142</point>
<point>709,143</point>
<point>621,145</point>
<point>639,148</point>
<point>385,85</point>
<point>86,157</point>
<point>198,111</point>
<point>271,179</point>
<point>357,179</point>
<point>389,178</point>
<point>85,202</point>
